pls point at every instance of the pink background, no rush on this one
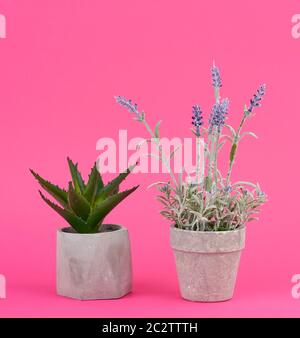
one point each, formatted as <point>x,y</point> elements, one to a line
<point>61,65</point>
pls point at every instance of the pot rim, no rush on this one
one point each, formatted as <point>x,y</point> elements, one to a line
<point>207,241</point>
<point>172,226</point>
<point>100,233</point>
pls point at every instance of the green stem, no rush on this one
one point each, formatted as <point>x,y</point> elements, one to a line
<point>234,148</point>
<point>163,157</point>
<point>217,94</point>
<point>241,124</point>
<point>198,174</point>
<point>229,173</point>
<point>216,158</point>
<point>210,157</point>
<point>213,145</point>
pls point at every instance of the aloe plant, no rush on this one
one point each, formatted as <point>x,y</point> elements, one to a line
<point>85,205</point>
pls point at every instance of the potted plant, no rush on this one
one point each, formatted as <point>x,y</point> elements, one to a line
<point>93,259</point>
<point>208,212</point>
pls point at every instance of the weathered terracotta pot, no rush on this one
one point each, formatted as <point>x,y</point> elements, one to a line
<point>207,263</point>
<point>94,266</point>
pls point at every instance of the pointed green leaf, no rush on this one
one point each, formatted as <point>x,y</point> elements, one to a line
<point>226,137</point>
<point>76,176</point>
<point>156,133</point>
<point>78,203</point>
<point>233,132</point>
<point>104,207</point>
<point>241,183</point>
<point>76,222</point>
<point>246,112</point>
<point>220,145</point>
<point>248,133</point>
<point>113,186</point>
<point>55,191</point>
<point>94,184</point>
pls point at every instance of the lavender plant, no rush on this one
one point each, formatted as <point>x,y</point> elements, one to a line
<point>211,202</point>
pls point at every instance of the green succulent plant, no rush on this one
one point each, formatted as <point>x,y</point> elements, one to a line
<point>85,205</point>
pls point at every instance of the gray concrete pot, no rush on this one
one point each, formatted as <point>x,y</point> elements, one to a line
<point>207,263</point>
<point>94,266</point>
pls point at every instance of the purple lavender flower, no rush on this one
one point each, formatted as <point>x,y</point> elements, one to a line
<point>197,119</point>
<point>216,78</point>
<point>129,105</point>
<point>228,189</point>
<point>257,97</point>
<point>261,194</point>
<point>217,117</point>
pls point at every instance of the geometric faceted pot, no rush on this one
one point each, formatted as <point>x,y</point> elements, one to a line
<point>207,262</point>
<point>94,266</point>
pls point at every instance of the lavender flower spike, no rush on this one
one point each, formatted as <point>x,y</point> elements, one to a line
<point>129,105</point>
<point>217,118</point>
<point>255,101</point>
<point>216,78</point>
<point>197,119</point>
